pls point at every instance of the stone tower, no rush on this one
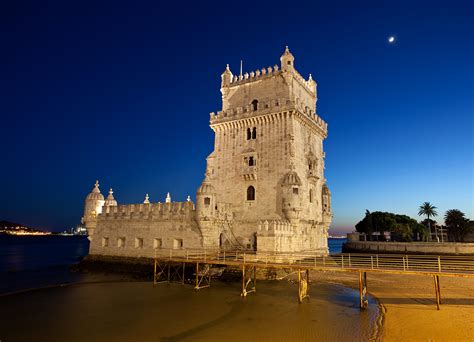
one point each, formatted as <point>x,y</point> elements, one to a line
<point>265,187</point>
<point>93,207</point>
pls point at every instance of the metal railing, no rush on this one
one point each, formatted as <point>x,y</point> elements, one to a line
<point>432,264</point>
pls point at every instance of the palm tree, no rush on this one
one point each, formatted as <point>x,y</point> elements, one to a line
<point>429,210</point>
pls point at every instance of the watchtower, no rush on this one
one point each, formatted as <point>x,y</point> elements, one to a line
<point>268,161</point>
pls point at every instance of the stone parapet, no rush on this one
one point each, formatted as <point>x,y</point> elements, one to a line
<point>148,210</point>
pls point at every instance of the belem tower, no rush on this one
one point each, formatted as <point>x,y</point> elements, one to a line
<point>264,187</point>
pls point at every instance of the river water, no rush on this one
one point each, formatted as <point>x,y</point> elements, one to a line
<point>137,311</point>
<point>38,261</point>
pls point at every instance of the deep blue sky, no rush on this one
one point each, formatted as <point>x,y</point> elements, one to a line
<point>121,92</point>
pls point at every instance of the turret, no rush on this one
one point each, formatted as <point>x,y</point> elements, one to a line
<point>287,60</point>
<point>291,193</point>
<point>205,200</point>
<point>92,207</point>
<point>110,201</point>
<point>226,77</point>
<point>147,199</point>
<point>326,204</point>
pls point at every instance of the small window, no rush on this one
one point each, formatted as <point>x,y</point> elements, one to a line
<point>310,195</point>
<point>105,242</point>
<point>177,243</point>
<point>121,242</point>
<point>207,201</point>
<point>295,191</point>
<point>255,105</point>
<point>249,134</point>
<point>138,242</point>
<point>310,165</point>
<point>289,62</point>
<point>250,193</point>
<point>157,243</point>
<point>254,133</point>
<point>251,161</point>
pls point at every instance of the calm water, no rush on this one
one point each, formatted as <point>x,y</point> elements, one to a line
<point>35,261</point>
<point>127,311</point>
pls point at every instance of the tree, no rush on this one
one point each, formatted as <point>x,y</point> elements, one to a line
<point>401,227</point>
<point>429,210</point>
<point>457,224</point>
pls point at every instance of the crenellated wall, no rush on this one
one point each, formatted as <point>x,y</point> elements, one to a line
<point>137,230</point>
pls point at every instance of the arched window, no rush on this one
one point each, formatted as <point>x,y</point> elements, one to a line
<point>310,195</point>
<point>249,134</point>
<point>254,133</point>
<point>250,193</point>
<point>255,105</point>
<point>251,161</point>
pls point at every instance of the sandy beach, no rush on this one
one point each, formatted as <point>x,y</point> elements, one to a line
<point>409,306</point>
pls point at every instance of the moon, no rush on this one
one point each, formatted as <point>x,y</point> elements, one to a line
<point>391,39</point>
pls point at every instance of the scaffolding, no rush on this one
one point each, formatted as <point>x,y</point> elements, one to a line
<point>170,266</point>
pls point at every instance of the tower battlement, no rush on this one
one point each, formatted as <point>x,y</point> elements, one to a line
<point>274,228</point>
<point>265,73</point>
<point>147,210</point>
<point>268,90</point>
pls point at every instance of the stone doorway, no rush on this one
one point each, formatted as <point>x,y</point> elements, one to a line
<point>224,242</point>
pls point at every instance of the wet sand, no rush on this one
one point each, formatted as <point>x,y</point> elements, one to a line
<point>126,311</point>
<point>409,306</point>
<point>137,311</point>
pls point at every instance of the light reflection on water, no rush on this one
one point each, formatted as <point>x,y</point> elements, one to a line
<point>139,311</point>
<point>35,261</point>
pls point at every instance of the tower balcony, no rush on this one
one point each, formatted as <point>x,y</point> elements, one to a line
<point>249,172</point>
<point>312,176</point>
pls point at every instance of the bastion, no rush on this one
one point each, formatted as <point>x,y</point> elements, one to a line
<point>264,188</point>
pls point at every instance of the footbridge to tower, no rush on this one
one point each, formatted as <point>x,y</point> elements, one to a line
<point>170,265</point>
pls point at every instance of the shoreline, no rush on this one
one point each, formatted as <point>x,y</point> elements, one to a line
<point>137,309</point>
<point>405,304</point>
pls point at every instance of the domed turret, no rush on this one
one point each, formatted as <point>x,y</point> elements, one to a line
<point>326,203</point>
<point>92,207</point>
<point>110,201</point>
<point>291,205</point>
<point>287,60</point>
<point>205,188</point>
<point>206,199</point>
<point>226,77</point>
<point>95,194</point>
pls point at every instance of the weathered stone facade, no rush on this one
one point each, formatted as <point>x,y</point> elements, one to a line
<point>264,187</point>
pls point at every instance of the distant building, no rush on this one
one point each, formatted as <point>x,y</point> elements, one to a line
<point>264,187</point>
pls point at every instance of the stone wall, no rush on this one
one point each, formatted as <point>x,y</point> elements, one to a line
<point>137,230</point>
<point>409,247</point>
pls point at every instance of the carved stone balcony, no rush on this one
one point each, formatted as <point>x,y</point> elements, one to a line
<point>312,176</point>
<point>249,172</point>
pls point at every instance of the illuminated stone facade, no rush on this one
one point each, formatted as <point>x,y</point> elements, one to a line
<point>264,187</point>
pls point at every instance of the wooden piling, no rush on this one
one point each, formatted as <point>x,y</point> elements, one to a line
<point>436,284</point>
